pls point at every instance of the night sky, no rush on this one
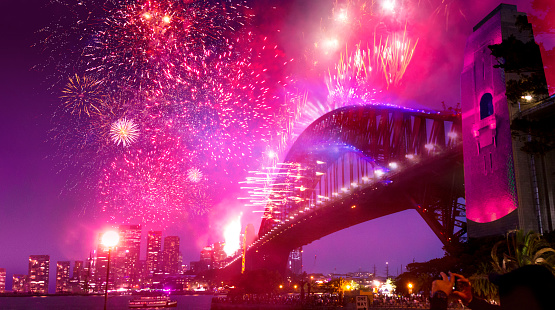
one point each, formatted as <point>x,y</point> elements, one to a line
<point>44,209</point>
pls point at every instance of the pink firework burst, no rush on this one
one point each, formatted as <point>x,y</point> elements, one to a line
<point>124,131</point>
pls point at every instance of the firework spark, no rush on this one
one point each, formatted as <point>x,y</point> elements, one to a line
<point>124,131</point>
<point>83,95</point>
<point>194,175</point>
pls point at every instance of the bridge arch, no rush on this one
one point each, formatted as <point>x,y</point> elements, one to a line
<point>358,163</point>
<point>384,138</point>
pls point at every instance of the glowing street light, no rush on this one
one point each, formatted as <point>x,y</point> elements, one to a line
<point>109,239</point>
<point>410,288</point>
<point>527,97</point>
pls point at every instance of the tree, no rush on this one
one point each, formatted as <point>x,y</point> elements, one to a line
<point>524,60</point>
<point>520,249</point>
<point>516,250</point>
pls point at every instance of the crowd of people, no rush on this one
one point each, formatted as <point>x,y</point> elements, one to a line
<point>326,300</point>
<point>529,287</point>
<point>309,301</point>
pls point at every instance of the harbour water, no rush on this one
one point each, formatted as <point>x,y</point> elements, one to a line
<point>184,302</point>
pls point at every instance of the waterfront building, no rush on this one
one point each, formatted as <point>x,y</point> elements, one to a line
<point>87,279</point>
<point>295,261</point>
<point>218,254</point>
<point>80,277</point>
<point>171,255</point>
<point>20,283</point>
<point>100,265</point>
<point>39,272</point>
<point>142,274</point>
<point>197,266</point>
<point>126,258</point>
<point>2,280</point>
<point>154,252</point>
<point>62,277</point>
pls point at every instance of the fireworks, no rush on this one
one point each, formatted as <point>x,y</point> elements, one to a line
<point>194,175</point>
<point>200,93</point>
<point>188,86</point>
<point>83,95</point>
<point>124,131</point>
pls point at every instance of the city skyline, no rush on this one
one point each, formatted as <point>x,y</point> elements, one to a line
<point>47,215</point>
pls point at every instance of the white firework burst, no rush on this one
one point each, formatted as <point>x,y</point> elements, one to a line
<point>124,131</point>
<point>194,175</point>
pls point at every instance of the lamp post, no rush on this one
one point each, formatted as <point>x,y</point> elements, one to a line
<point>109,239</point>
<point>410,288</point>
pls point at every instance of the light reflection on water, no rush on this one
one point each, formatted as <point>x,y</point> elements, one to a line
<point>184,302</point>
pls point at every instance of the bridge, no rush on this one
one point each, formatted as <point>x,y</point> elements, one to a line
<point>358,163</point>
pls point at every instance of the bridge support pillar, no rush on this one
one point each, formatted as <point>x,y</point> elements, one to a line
<point>269,258</point>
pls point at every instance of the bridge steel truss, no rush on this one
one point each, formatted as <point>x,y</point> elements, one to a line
<point>381,137</point>
<point>359,163</point>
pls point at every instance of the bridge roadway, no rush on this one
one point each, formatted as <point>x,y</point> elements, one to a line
<point>419,186</point>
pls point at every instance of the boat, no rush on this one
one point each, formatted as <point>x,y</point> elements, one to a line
<point>161,301</point>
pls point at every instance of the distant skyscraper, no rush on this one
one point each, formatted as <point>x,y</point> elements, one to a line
<point>205,262</point>
<point>2,280</point>
<point>295,262</point>
<point>87,278</point>
<point>75,285</point>
<point>100,264</point>
<point>80,271</point>
<point>171,255</point>
<point>62,277</point>
<point>20,283</point>
<point>128,252</point>
<point>154,251</point>
<point>142,274</point>
<point>218,254</point>
<point>39,271</point>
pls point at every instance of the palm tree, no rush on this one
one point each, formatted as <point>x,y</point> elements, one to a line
<point>481,284</point>
<point>517,250</point>
<point>522,249</point>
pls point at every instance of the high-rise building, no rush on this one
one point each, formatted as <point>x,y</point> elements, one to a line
<point>218,254</point>
<point>20,283</point>
<point>205,262</point>
<point>100,265</point>
<point>171,255</point>
<point>142,274</point>
<point>506,186</point>
<point>78,269</point>
<point>39,271</point>
<point>154,252</point>
<point>62,276</point>
<point>295,261</point>
<point>87,279</point>
<point>2,280</point>
<point>127,256</point>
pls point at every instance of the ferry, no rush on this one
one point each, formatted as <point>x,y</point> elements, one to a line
<point>152,302</point>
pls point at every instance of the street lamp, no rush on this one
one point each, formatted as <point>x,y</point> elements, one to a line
<point>410,288</point>
<point>109,239</point>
